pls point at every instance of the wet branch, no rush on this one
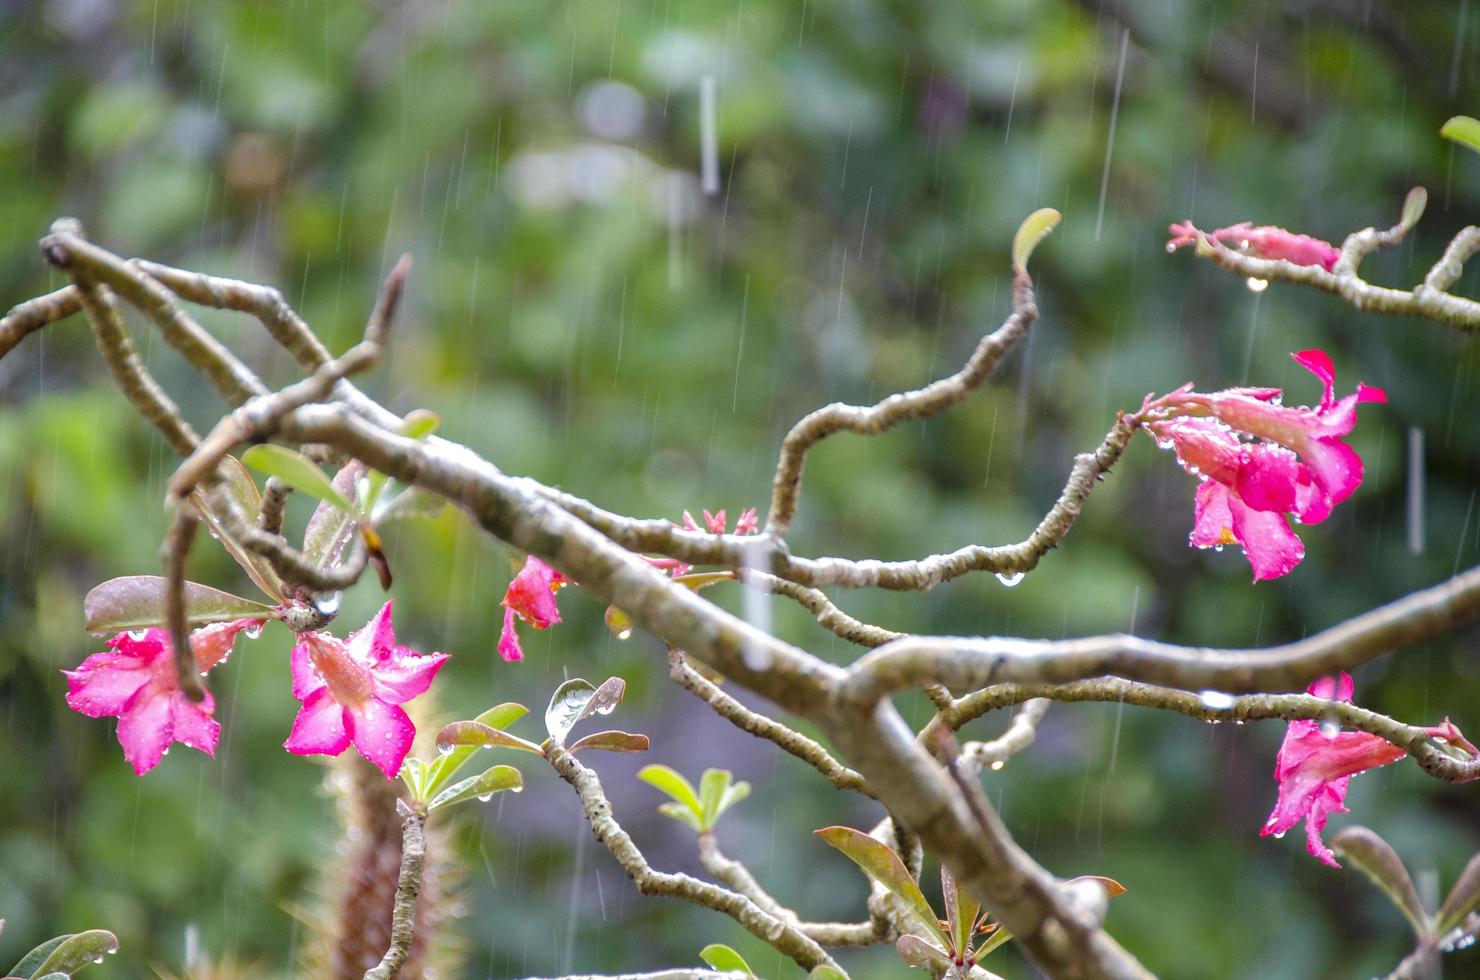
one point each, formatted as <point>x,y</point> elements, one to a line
<point>408,890</point>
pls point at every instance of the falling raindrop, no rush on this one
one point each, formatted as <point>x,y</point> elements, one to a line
<point>252,632</point>
<point>1010,579</point>
<point>1216,700</point>
<point>1256,285</point>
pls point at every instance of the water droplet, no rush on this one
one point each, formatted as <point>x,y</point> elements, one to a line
<point>484,797</point>
<point>997,764</point>
<point>1330,729</point>
<point>1010,579</point>
<point>1256,285</point>
<point>1279,834</point>
<point>137,635</point>
<point>1218,548</point>
<point>517,789</point>
<point>446,748</point>
<point>1171,246</point>
<point>1216,700</point>
<point>252,632</point>
<point>327,605</point>
<point>625,634</point>
<point>98,959</point>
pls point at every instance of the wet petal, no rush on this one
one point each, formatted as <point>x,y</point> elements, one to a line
<point>374,642</point>
<point>306,679</point>
<point>144,727</point>
<point>508,641</point>
<point>1318,362</point>
<point>1212,525</point>
<point>383,734</point>
<point>319,728</point>
<point>212,644</point>
<point>406,675</point>
<point>1268,478</point>
<point>192,723</point>
<point>1272,548</point>
<point>1335,467</point>
<point>103,684</point>
<point>532,594</point>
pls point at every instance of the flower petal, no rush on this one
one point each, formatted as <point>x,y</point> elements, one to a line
<point>406,676</point>
<point>1268,478</point>
<point>192,724</point>
<point>306,678</point>
<point>103,684</point>
<point>1212,522</point>
<point>319,728</point>
<point>1272,548</point>
<point>144,727</point>
<point>212,644</point>
<point>1335,466</point>
<point>508,641</point>
<point>382,732</point>
<point>1328,799</point>
<point>532,594</point>
<point>375,642</point>
<point>1318,362</point>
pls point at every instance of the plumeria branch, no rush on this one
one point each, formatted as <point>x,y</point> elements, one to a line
<point>882,416</point>
<point>1430,299</point>
<point>1021,732</point>
<point>1415,740</point>
<point>779,933</point>
<point>408,890</point>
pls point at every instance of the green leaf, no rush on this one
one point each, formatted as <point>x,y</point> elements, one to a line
<point>1413,206</point>
<point>680,789</point>
<point>735,793</point>
<point>885,867</point>
<point>961,910</point>
<point>826,973</point>
<point>28,964</point>
<point>1463,898</point>
<point>77,951</point>
<point>331,528</point>
<point>682,814</point>
<point>712,786</point>
<point>298,471</point>
<point>411,502</point>
<point>722,957</point>
<point>703,580</point>
<point>419,424</point>
<point>576,700</point>
<point>1463,130</point>
<point>479,735</point>
<point>482,786</point>
<point>612,741</point>
<point>137,602</point>
<point>449,761</point>
<point>1375,858</point>
<point>1032,231</point>
<point>237,484</point>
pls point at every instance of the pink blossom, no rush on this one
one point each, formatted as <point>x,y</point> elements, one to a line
<point>1263,242</point>
<point>1315,765</point>
<point>352,691</point>
<point>530,597</point>
<point>136,682</point>
<point>1260,460</point>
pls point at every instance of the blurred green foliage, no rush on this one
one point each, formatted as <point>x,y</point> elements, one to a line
<point>582,312</point>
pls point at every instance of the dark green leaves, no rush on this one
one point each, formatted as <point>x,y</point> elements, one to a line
<point>137,602</point>
<point>1379,862</point>
<point>298,472</point>
<point>456,745</point>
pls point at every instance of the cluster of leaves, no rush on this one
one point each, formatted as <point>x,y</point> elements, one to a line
<point>62,956</point>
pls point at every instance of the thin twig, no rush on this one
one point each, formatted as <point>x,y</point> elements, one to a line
<point>764,926</point>
<point>408,889</point>
<point>1019,735</point>
<point>34,314</point>
<point>176,618</point>
<point>818,604</point>
<point>881,416</point>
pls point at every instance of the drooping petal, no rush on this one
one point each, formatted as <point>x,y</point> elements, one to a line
<point>1272,548</point>
<point>1329,799</point>
<point>306,679</point>
<point>508,640</point>
<point>1335,467</point>
<point>382,732</point>
<point>1318,362</point>
<point>145,729</point>
<point>1212,524</point>
<point>192,723</point>
<point>406,676</point>
<point>531,594</point>
<point>103,684</point>
<point>212,644</point>
<point>319,728</point>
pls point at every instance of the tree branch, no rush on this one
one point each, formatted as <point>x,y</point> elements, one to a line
<point>408,889</point>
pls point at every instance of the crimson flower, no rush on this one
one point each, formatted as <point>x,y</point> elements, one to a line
<point>136,682</point>
<point>1259,460</point>
<point>1315,764</point>
<point>352,691</point>
<point>1263,242</point>
<point>530,597</point>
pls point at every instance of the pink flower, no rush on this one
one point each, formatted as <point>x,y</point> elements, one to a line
<point>1263,242</point>
<point>352,691</point>
<point>1260,460</point>
<point>1314,767</point>
<point>530,597</point>
<point>136,682</point>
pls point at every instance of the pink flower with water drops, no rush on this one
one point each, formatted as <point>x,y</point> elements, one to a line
<point>1262,242</point>
<point>352,691</point>
<point>1316,762</point>
<point>1260,460</point>
<point>136,682</point>
<point>530,597</point>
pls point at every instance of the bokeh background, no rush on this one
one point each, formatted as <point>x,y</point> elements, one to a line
<point>584,311</point>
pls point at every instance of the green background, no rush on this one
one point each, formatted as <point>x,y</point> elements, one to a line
<point>581,312</point>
